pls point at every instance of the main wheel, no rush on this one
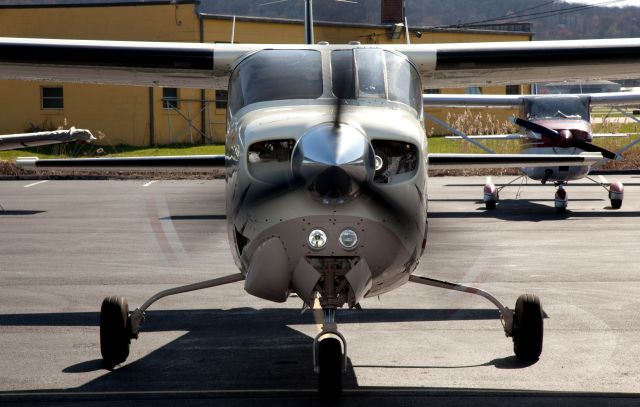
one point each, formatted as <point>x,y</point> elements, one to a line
<point>490,204</point>
<point>616,203</point>
<point>561,209</point>
<point>528,328</point>
<point>115,335</point>
<point>330,368</point>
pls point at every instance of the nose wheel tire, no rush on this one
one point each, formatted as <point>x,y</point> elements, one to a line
<point>490,205</point>
<point>330,368</point>
<point>561,209</point>
<point>115,331</point>
<point>616,203</point>
<point>528,328</point>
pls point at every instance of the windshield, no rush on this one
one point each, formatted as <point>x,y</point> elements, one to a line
<point>565,107</point>
<point>375,73</point>
<point>276,75</point>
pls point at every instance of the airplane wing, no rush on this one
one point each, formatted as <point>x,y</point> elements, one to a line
<point>501,63</point>
<point>509,101</point>
<point>515,136</point>
<point>14,141</point>
<point>467,161</point>
<point>615,99</point>
<point>200,65</point>
<point>189,163</point>
<point>465,101</point>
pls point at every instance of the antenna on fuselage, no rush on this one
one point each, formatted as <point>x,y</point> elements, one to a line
<point>308,22</point>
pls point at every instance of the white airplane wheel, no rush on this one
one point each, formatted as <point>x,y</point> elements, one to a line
<point>616,203</point>
<point>528,327</point>
<point>115,335</point>
<point>329,368</point>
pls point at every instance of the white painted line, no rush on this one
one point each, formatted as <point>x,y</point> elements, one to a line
<point>35,183</point>
<point>603,179</point>
<point>149,183</point>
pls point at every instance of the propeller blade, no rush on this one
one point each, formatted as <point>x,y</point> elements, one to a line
<point>545,131</point>
<point>586,146</point>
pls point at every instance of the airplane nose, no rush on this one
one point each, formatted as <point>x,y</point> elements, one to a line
<point>333,161</point>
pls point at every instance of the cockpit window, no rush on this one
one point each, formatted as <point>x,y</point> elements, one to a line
<point>562,107</point>
<point>276,75</point>
<point>375,73</point>
<point>371,73</point>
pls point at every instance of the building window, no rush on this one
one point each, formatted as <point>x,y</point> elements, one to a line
<point>169,98</point>
<point>513,89</point>
<point>432,91</point>
<point>52,98</point>
<point>221,99</point>
<point>473,90</point>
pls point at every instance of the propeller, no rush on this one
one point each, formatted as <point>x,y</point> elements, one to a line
<point>561,136</point>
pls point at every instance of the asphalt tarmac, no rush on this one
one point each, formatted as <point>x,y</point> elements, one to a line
<point>65,245</point>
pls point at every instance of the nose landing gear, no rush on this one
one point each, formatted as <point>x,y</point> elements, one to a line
<point>561,199</point>
<point>329,357</point>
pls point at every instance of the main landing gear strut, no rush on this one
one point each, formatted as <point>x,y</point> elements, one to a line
<point>525,324</point>
<point>118,326</point>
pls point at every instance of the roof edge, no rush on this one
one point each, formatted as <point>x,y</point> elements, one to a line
<point>88,5</point>
<point>362,25</point>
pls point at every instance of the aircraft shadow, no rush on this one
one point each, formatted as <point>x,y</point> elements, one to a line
<point>529,211</point>
<point>539,184</point>
<point>19,212</point>
<point>195,217</point>
<point>241,348</point>
<point>252,357</point>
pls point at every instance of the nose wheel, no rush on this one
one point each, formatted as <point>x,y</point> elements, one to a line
<point>115,331</point>
<point>330,366</point>
<point>329,357</point>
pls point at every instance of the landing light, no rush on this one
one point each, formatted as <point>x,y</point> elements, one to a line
<point>317,239</point>
<point>348,239</point>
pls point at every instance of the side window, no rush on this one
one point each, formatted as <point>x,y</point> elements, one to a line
<point>513,89</point>
<point>52,97</point>
<point>222,97</point>
<point>169,98</point>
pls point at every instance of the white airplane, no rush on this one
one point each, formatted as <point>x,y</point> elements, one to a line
<point>553,124</point>
<point>41,138</point>
<point>326,160</point>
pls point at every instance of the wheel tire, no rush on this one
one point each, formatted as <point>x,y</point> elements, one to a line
<point>490,205</point>
<point>329,368</point>
<point>561,209</point>
<point>528,328</point>
<point>616,203</point>
<point>115,335</point>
